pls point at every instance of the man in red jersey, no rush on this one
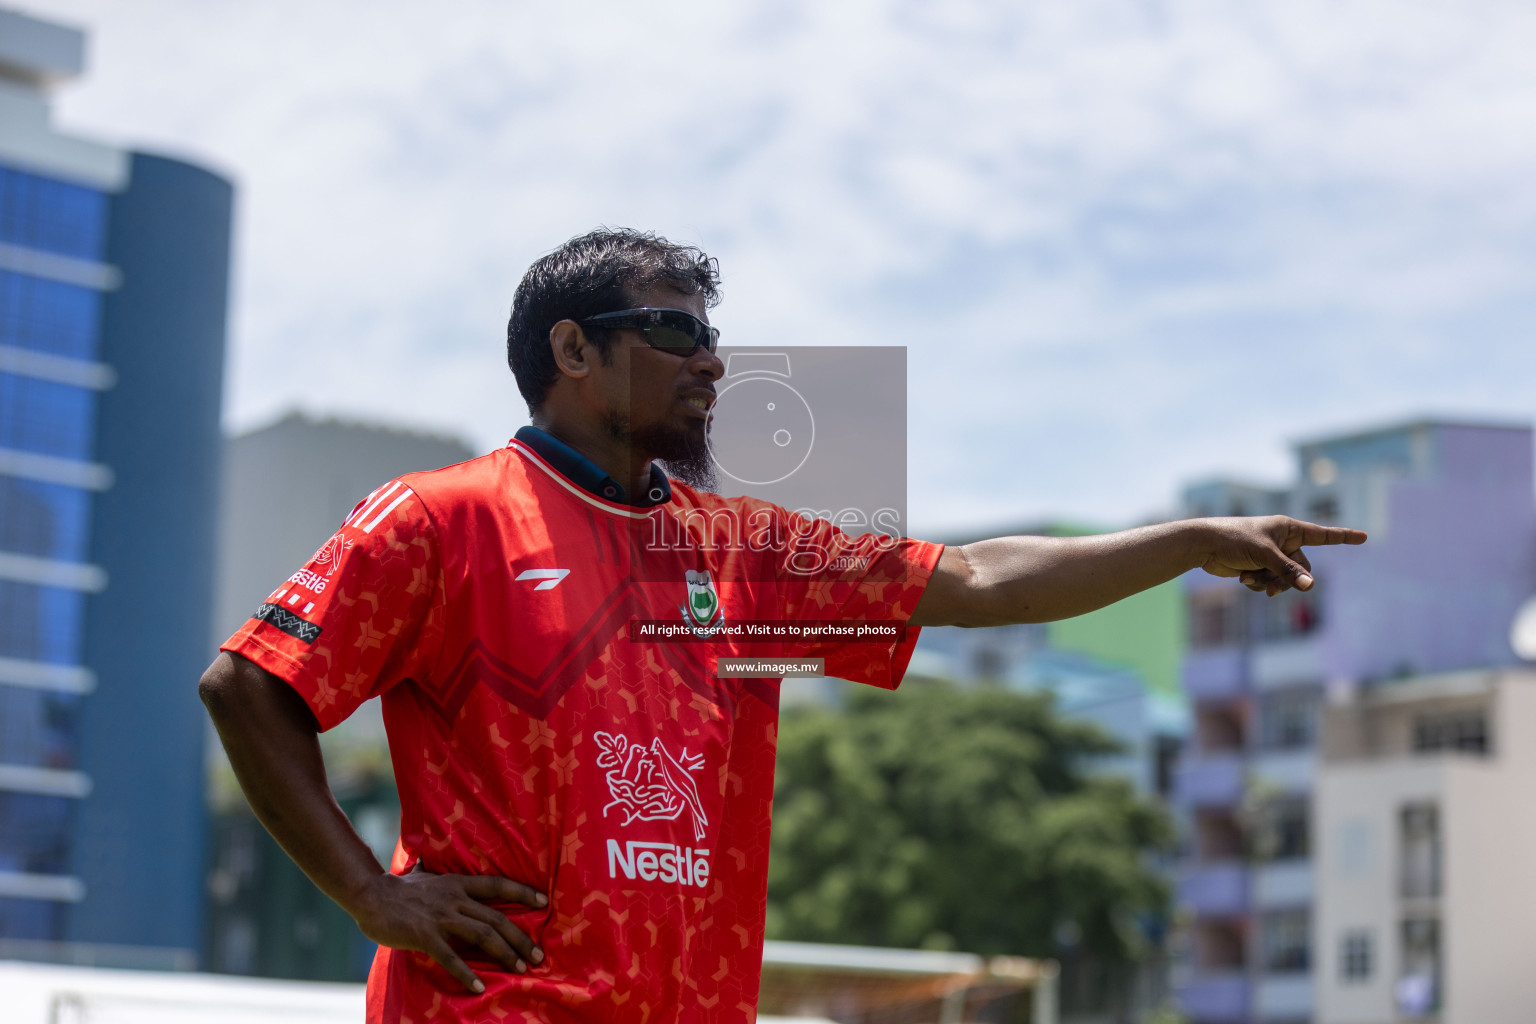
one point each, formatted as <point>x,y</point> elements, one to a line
<point>584,812</point>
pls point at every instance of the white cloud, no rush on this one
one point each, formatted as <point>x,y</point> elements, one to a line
<point>1126,242</point>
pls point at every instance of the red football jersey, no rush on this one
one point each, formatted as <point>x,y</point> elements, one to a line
<point>489,603</point>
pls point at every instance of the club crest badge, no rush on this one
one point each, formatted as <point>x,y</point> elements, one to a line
<point>703,613</point>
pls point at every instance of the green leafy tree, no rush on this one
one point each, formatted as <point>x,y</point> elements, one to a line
<point>957,819</point>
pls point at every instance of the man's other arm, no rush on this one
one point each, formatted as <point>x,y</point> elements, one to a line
<point>1040,579</point>
<point>273,744</point>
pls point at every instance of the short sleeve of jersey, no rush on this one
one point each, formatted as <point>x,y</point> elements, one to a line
<point>360,616</point>
<point>861,578</point>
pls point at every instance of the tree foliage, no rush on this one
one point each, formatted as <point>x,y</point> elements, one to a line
<point>957,819</point>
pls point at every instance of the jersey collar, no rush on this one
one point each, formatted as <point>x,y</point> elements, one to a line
<point>588,475</point>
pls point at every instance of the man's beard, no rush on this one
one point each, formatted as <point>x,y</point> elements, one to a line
<point>684,454</point>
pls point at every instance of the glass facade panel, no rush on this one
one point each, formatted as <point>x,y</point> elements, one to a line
<point>44,520</point>
<point>34,833</point>
<point>48,316</point>
<point>34,839</point>
<point>42,213</point>
<point>46,417</point>
<point>38,728</point>
<point>41,623</point>
<point>41,920</point>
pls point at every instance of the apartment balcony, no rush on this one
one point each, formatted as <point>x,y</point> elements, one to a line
<point>1215,890</point>
<point>1288,771</point>
<point>1280,664</point>
<point>1283,997</point>
<point>1283,883</point>
<point>1215,998</point>
<point>1211,780</point>
<point>1215,673</point>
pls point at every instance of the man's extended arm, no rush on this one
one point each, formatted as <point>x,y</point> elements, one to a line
<point>1040,579</point>
<point>273,745</point>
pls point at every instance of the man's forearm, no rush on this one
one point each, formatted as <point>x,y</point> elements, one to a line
<point>274,749</point>
<point>1010,580</point>
<point>1041,579</point>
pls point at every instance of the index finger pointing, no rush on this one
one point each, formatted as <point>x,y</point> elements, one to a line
<point>494,887</point>
<point>1315,534</point>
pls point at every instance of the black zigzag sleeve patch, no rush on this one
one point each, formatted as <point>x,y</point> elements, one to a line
<point>285,620</point>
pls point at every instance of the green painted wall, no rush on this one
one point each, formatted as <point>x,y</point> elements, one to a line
<point>1145,632</point>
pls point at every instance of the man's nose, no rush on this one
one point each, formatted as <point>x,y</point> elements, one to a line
<point>707,364</point>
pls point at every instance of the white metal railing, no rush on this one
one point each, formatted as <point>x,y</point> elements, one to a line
<point>50,469</point>
<point>24,778</point>
<point>51,572</point>
<point>22,259</point>
<point>80,373</point>
<point>29,886</point>
<point>41,675</point>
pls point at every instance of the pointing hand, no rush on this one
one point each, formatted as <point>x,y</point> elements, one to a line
<point>1265,552</point>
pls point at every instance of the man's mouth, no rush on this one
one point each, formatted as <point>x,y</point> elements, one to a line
<point>699,402</point>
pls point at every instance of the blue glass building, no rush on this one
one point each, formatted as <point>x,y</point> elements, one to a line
<point>113,281</point>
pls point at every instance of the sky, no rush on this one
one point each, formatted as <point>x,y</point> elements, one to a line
<point>1127,244</point>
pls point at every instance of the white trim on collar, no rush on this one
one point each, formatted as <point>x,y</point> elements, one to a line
<point>590,499</point>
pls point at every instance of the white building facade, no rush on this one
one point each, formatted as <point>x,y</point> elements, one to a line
<point>1426,856</point>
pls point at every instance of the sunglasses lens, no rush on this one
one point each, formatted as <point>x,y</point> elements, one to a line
<point>670,339</point>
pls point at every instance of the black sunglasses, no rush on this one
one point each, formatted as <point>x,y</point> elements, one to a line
<point>670,330</point>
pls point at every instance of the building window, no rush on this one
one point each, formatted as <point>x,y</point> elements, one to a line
<point>1418,988</point>
<point>34,832</point>
<point>1166,757</point>
<point>46,417</point>
<point>48,316</point>
<point>1287,940</point>
<point>44,520</point>
<point>1323,509</point>
<point>1279,829</point>
<point>1419,851</point>
<point>1289,720</point>
<point>38,728</point>
<point>1355,956</point>
<point>42,920</point>
<point>34,838</point>
<point>41,623</point>
<point>1292,614</point>
<point>1465,731</point>
<point>1216,618</point>
<point>43,213</point>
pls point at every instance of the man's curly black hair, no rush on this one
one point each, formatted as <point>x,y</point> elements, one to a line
<point>594,273</point>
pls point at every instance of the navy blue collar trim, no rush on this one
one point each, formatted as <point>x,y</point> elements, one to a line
<point>588,475</point>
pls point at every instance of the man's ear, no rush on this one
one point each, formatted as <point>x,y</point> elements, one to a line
<point>572,351</point>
